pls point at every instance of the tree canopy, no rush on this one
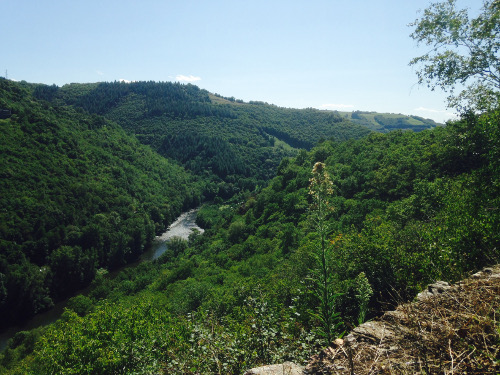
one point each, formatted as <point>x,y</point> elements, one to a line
<point>409,208</point>
<point>236,145</point>
<point>464,56</point>
<point>76,194</point>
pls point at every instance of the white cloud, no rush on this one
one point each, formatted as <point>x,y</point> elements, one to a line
<point>423,109</point>
<point>99,72</point>
<point>190,78</point>
<point>124,80</point>
<point>336,106</point>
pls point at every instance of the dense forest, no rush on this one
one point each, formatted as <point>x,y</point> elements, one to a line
<point>234,144</point>
<point>77,194</point>
<point>391,212</point>
<point>312,223</point>
<point>237,145</point>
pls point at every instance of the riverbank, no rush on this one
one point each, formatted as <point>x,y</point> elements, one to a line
<point>182,227</point>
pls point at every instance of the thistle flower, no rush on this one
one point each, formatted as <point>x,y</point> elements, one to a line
<point>320,184</point>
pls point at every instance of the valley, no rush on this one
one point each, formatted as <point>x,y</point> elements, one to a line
<point>181,228</point>
<point>92,173</point>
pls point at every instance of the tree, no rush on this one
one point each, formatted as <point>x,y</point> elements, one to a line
<point>464,55</point>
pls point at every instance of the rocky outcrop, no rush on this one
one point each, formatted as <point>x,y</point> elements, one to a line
<point>433,289</point>
<point>287,368</point>
<point>448,329</point>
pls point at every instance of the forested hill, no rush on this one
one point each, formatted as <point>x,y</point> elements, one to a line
<point>226,140</point>
<point>76,194</point>
<point>386,122</point>
<point>384,215</point>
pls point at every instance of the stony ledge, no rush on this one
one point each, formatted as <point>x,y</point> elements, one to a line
<point>423,336</point>
<point>287,368</point>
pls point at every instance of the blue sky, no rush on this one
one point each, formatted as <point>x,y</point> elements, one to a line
<point>336,54</point>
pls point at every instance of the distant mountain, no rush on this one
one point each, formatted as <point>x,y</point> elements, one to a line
<point>385,122</point>
<point>237,143</point>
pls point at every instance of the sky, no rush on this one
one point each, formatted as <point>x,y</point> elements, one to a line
<point>329,54</point>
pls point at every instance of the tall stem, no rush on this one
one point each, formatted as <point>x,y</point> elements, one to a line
<point>320,189</point>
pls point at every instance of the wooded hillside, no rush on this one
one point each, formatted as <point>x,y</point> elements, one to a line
<point>77,193</point>
<point>237,145</point>
<point>404,209</point>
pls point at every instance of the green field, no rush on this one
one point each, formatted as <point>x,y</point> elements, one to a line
<point>384,122</point>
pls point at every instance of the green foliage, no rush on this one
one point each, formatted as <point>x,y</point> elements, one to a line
<point>409,208</point>
<point>323,277</point>
<point>464,53</point>
<point>363,294</point>
<point>19,347</point>
<point>77,194</point>
<point>386,122</point>
<point>80,304</point>
<point>176,246</point>
<point>111,339</point>
<point>235,145</point>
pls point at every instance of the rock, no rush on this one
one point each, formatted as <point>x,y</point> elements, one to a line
<point>373,332</point>
<point>287,368</point>
<point>432,289</point>
<point>477,275</point>
<point>439,287</point>
<point>394,316</point>
<point>488,271</point>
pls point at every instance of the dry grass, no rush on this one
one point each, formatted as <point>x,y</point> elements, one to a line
<point>454,332</point>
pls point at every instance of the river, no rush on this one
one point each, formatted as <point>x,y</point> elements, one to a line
<point>182,227</point>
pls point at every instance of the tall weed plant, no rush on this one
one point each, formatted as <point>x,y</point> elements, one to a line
<point>322,275</point>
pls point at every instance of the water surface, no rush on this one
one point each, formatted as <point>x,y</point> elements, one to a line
<point>182,227</point>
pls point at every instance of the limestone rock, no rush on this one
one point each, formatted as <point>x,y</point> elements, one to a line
<point>373,332</point>
<point>287,368</point>
<point>432,289</point>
